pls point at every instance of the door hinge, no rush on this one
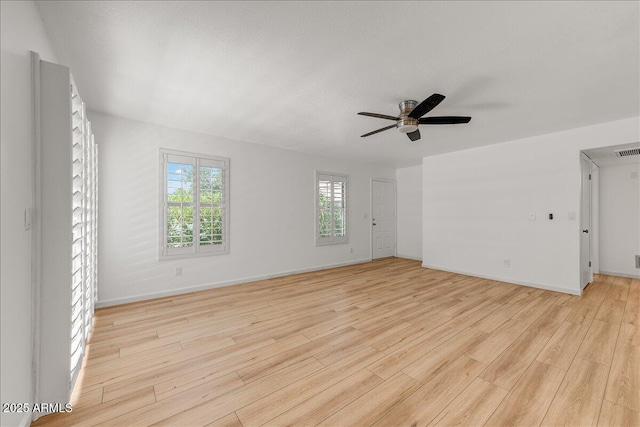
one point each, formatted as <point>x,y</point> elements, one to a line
<point>589,263</point>
<point>589,177</point>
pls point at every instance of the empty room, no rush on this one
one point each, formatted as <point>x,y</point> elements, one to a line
<point>301,213</point>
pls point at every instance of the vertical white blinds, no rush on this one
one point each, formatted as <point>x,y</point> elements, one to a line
<point>84,231</point>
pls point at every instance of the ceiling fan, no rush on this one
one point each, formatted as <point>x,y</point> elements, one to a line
<point>411,116</point>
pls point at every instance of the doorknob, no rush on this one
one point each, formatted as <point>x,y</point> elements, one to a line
<point>373,221</point>
<point>585,231</point>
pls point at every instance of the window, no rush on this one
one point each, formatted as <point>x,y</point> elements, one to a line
<point>84,231</point>
<point>331,208</point>
<point>195,205</point>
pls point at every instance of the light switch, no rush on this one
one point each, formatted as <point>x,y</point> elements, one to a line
<point>532,216</point>
<point>27,218</point>
<point>572,216</point>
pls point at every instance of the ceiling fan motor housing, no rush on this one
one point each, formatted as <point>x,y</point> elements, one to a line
<point>405,123</point>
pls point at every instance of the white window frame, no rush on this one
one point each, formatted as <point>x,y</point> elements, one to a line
<point>197,250</point>
<point>332,239</point>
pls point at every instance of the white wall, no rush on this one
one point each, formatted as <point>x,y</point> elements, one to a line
<point>476,205</point>
<point>619,219</point>
<point>21,31</point>
<point>409,216</point>
<point>272,211</point>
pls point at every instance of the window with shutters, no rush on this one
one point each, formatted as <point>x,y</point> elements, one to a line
<point>331,208</point>
<point>195,205</point>
<point>84,221</point>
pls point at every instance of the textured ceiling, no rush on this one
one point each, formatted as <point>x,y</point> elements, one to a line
<point>294,74</point>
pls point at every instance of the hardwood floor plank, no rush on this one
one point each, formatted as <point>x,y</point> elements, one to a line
<point>510,365</point>
<point>527,403</point>
<point>101,413</point>
<point>199,405</point>
<point>600,342</point>
<point>583,312</point>
<point>391,343</point>
<point>612,415</point>
<point>487,350</point>
<point>369,407</point>
<point>209,370</point>
<point>425,368</point>
<point>189,372</point>
<point>266,365</point>
<point>270,406</point>
<point>623,387</point>
<point>423,405</point>
<point>619,291</point>
<point>549,322</point>
<point>629,334</point>
<point>491,322</point>
<point>472,407</point>
<point>563,345</point>
<point>230,420</point>
<point>404,356</point>
<point>578,400</point>
<point>611,310</point>
<point>327,402</point>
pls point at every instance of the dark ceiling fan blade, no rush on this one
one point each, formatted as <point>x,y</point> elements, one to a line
<point>379,130</point>
<point>379,116</point>
<point>415,135</point>
<point>444,120</point>
<point>427,105</point>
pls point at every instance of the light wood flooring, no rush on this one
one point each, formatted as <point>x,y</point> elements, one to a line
<point>385,343</point>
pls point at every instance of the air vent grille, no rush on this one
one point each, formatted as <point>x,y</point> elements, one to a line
<point>629,152</point>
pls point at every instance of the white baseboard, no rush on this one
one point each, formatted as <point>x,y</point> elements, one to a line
<point>507,280</point>
<point>173,292</point>
<point>609,273</point>
<point>409,257</point>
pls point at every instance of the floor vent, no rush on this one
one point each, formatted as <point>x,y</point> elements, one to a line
<point>628,152</point>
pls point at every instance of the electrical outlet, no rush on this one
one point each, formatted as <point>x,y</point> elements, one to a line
<point>507,263</point>
<point>178,271</point>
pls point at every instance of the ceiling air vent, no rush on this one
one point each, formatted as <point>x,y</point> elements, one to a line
<point>628,152</point>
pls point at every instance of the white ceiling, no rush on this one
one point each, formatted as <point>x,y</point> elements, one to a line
<point>294,74</point>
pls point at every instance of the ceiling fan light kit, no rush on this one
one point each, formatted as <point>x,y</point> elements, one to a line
<point>405,123</point>
<point>411,116</point>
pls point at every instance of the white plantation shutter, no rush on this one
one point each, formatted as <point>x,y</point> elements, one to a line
<point>212,205</point>
<point>64,231</point>
<point>331,208</point>
<point>84,232</point>
<point>195,204</point>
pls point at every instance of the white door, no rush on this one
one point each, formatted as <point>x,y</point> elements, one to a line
<point>585,223</point>
<point>383,218</point>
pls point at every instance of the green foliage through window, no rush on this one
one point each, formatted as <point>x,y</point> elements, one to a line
<point>331,209</point>
<point>196,205</point>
